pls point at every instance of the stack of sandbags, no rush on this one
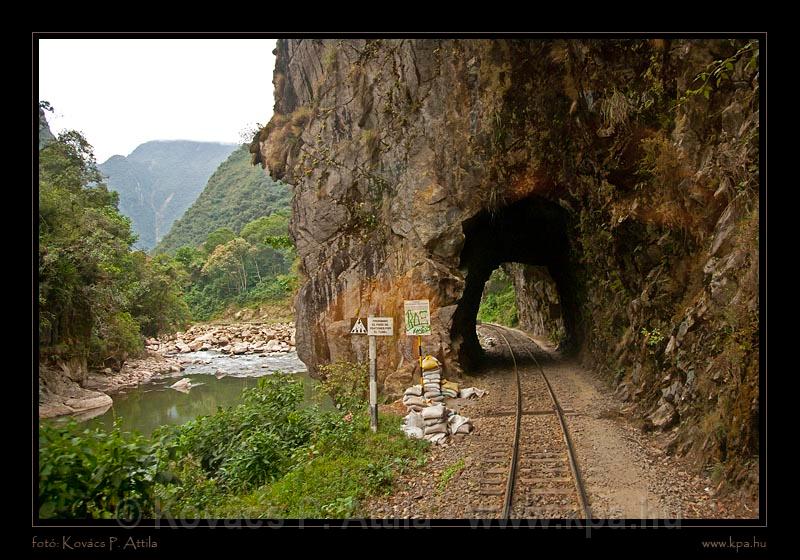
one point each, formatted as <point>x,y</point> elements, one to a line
<point>449,389</point>
<point>435,423</point>
<point>435,419</point>
<point>432,379</point>
<point>413,399</point>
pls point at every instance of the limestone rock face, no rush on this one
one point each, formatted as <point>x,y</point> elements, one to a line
<point>420,165</point>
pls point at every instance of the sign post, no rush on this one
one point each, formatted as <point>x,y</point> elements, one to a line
<point>376,326</point>
<point>373,383</point>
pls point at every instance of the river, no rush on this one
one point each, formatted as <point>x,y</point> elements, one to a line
<point>150,405</point>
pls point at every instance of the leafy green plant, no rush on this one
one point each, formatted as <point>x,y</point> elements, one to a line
<point>722,70</point>
<point>94,473</point>
<point>653,338</point>
<point>499,304</point>
<point>248,445</point>
<point>346,382</point>
<point>266,457</point>
<point>448,474</point>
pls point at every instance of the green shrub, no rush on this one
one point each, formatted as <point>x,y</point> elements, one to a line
<point>252,443</point>
<point>94,474</point>
<point>266,457</point>
<point>346,382</point>
<point>115,337</point>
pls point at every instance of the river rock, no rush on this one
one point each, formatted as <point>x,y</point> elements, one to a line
<point>239,348</point>
<point>182,384</point>
<point>195,345</point>
<point>182,347</point>
<point>273,346</point>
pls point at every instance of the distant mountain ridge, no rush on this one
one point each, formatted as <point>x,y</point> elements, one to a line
<point>159,180</point>
<point>236,194</point>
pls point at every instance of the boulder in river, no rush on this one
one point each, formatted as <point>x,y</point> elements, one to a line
<point>182,385</point>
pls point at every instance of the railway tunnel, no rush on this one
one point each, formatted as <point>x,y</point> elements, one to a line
<point>533,232</point>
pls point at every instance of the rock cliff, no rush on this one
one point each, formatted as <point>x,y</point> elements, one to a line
<point>627,168</point>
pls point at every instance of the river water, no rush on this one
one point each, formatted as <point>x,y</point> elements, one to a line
<point>155,404</point>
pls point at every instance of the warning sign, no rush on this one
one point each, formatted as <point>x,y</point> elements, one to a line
<point>418,316</point>
<point>358,327</point>
<point>380,326</point>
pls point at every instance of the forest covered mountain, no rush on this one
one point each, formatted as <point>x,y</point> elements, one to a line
<point>236,194</point>
<point>159,180</point>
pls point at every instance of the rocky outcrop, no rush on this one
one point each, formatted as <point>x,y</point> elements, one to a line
<point>538,305</point>
<point>71,388</point>
<point>421,165</point>
<point>45,135</point>
<point>237,338</point>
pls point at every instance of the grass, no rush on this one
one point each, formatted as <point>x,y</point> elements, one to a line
<point>448,474</point>
<point>330,484</point>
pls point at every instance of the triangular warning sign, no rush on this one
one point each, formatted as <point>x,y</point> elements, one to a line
<point>358,328</point>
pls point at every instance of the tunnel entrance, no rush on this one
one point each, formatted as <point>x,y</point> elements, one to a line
<point>531,238</point>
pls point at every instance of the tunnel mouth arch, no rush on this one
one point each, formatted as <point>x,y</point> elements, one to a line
<point>533,231</point>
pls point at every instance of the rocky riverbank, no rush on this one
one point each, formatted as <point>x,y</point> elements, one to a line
<point>74,389</point>
<point>237,338</point>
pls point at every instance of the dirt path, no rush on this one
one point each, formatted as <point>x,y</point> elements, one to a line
<point>627,476</point>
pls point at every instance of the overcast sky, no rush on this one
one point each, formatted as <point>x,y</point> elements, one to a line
<point>123,92</point>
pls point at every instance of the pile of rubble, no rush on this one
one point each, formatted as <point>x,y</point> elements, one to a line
<point>247,338</point>
<point>428,418</point>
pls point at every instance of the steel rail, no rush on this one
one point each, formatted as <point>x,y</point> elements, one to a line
<point>583,502</point>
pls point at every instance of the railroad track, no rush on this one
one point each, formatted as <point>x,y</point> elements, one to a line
<point>535,474</point>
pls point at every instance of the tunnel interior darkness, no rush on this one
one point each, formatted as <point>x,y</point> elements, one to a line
<point>532,231</point>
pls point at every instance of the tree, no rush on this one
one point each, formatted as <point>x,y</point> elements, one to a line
<point>230,261</point>
<point>94,294</point>
<point>217,238</point>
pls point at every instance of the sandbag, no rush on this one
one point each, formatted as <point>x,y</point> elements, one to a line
<point>414,419</point>
<point>436,438</point>
<point>436,429</point>
<point>414,390</point>
<point>429,362</point>
<point>419,401</point>
<point>456,421</point>
<point>471,393</point>
<point>412,432</point>
<point>450,386</point>
<point>436,411</point>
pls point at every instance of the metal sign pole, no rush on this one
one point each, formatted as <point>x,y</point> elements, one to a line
<point>373,384</point>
